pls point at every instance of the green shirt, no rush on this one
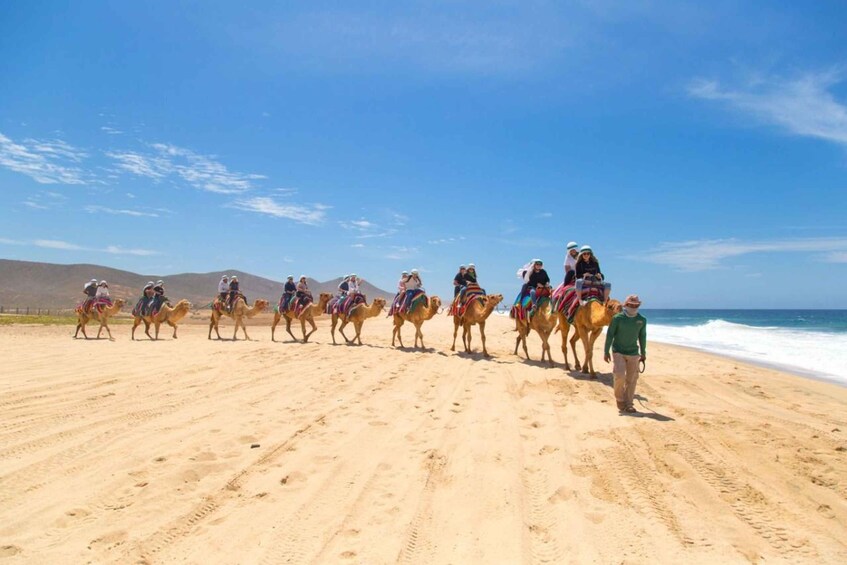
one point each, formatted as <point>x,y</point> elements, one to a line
<point>625,334</point>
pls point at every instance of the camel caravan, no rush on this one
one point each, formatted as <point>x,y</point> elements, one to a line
<point>581,301</point>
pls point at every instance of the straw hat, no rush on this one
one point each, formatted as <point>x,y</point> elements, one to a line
<point>632,301</point>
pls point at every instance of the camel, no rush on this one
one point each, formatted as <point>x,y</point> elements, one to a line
<point>476,313</point>
<point>307,315</point>
<point>357,315</point>
<point>543,321</point>
<point>240,310</point>
<point>588,323</point>
<point>564,327</point>
<point>103,317</point>
<point>417,317</point>
<point>166,315</point>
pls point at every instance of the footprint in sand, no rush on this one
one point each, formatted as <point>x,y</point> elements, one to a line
<point>9,550</point>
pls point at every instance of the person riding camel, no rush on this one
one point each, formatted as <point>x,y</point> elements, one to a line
<point>353,285</point>
<point>459,280</point>
<point>470,275</point>
<point>103,293</point>
<point>233,292</point>
<point>588,272</point>
<point>538,282</point>
<point>288,292</point>
<point>147,297</point>
<point>344,287</point>
<point>159,296</point>
<point>303,294</point>
<point>401,284</point>
<point>413,283</point>
<point>90,291</point>
<point>223,289</point>
<point>572,254</point>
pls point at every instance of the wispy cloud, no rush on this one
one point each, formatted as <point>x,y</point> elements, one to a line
<point>400,252</point>
<point>802,106</point>
<point>119,211</point>
<point>47,162</point>
<point>68,246</point>
<point>110,130</point>
<point>705,255</point>
<point>203,172</point>
<point>446,240</point>
<point>366,229</point>
<point>314,214</point>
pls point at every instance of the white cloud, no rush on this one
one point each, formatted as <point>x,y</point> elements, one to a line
<point>705,255</point>
<point>67,246</point>
<point>399,252</point>
<point>802,106</point>
<point>124,212</point>
<point>313,215</point>
<point>445,240</point>
<point>203,172</point>
<point>46,162</point>
<point>110,130</point>
<point>358,245</point>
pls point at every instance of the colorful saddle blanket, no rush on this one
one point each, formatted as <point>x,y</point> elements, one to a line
<point>285,303</point>
<point>396,304</point>
<point>471,293</point>
<point>564,298</point>
<point>90,304</point>
<point>301,304</point>
<point>523,307</point>
<point>343,307</point>
<point>401,300</point>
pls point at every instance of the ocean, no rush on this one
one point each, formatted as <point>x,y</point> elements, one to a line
<point>807,342</point>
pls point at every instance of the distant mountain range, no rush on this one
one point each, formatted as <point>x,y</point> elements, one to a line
<point>49,285</point>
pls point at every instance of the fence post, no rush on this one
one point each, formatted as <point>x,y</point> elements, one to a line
<point>27,310</point>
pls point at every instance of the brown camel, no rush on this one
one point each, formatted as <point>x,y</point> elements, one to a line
<point>543,321</point>
<point>417,317</point>
<point>307,315</point>
<point>240,310</point>
<point>588,323</point>
<point>102,316</point>
<point>476,313</point>
<point>357,315</point>
<point>564,327</point>
<point>166,315</point>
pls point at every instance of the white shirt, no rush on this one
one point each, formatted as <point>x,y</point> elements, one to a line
<point>353,286</point>
<point>223,286</point>
<point>570,263</point>
<point>414,283</point>
<point>102,292</point>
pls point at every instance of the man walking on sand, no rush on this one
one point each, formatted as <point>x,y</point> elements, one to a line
<point>627,333</point>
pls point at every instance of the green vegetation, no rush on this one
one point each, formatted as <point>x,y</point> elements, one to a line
<point>44,320</point>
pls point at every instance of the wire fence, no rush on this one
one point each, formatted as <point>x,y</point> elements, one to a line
<point>36,311</point>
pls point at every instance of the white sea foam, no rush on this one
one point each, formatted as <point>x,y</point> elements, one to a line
<point>822,354</point>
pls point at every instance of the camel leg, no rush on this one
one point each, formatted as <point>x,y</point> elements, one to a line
<point>314,329</point>
<point>171,324</point>
<point>573,341</point>
<point>590,359</point>
<point>288,328</point>
<point>332,328</point>
<point>456,331</point>
<point>466,338</point>
<point>482,337</point>
<point>563,327</point>
<point>545,348</point>
<point>105,324</point>
<point>213,325</point>
<point>147,328</point>
<point>341,330</point>
<point>156,329</point>
<point>398,323</point>
<point>273,325</point>
<point>358,326</point>
<point>523,334</point>
<point>419,334</point>
<point>78,326</point>
<point>244,329</point>
<point>135,323</point>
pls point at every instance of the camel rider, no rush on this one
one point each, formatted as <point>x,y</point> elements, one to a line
<point>413,283</point>
<point>103,293</point>
<point>343,287</point>
<point>90,291</point>
<point>353,285</point>
<point>233,291</point>
<point>470,274</point>
<point>572,254</point>
<point>459,280</point>
<point>538,280</point>
<point>159,295</point>
<point>588,271</point>
<point>223,288</point>
<point>288,291</point>
<point>147,297</point>
<point>303,293</point>
<point>401,284</point>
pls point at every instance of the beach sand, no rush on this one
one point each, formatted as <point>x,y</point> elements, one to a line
<point>198,451</point>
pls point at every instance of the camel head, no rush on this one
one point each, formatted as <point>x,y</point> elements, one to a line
<point>379,303</point>
<point>260,304</point>
<point>324,299</point>
<point>493,300</point>
<point>120,302</point>
<point>435,302</point>
<point>614,307</point>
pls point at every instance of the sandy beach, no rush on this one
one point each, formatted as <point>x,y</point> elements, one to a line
<point>198,451</point>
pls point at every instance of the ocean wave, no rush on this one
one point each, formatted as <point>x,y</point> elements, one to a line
<point>816,353</point>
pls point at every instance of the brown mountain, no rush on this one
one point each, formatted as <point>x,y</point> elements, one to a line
<point>49,285</point>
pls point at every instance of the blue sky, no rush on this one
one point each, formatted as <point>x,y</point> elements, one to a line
<point>700,148</point>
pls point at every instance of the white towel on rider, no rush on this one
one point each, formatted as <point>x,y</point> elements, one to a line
<point>525,271</point>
